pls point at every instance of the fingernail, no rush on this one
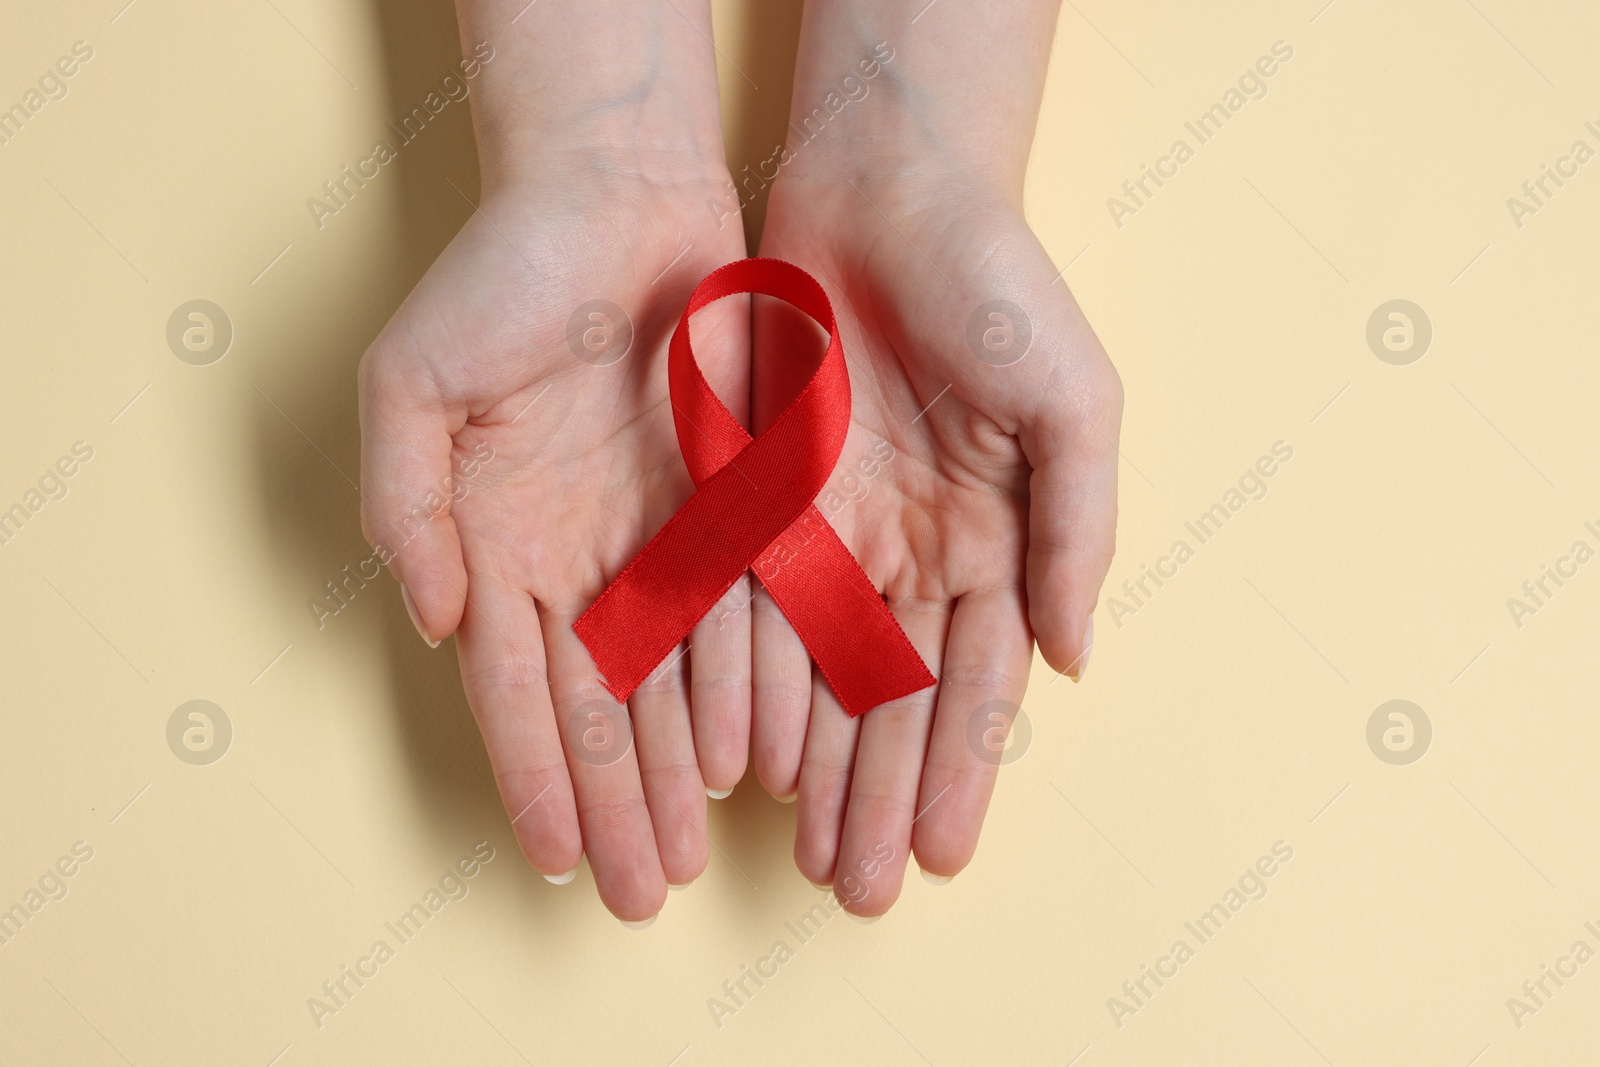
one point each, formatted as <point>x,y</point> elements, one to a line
<point>820,885</point>
<point>864,920</point>
<point>416,620</point>
<point>642,924</point>
<point>720,794</point>
<point>788,799</point>
<point>936,879</point>
<point>1088,647</point>
<point>677,888</point>
<point>561,879</point>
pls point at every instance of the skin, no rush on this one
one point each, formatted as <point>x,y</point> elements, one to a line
<point>598,161</point>
<point>991,527</point>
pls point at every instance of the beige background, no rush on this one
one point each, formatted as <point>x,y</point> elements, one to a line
<point>1227,714</point>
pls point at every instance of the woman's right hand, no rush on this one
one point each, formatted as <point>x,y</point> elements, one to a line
<point>511,360</point>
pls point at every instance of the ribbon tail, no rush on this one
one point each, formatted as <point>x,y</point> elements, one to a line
<point>836,611</point>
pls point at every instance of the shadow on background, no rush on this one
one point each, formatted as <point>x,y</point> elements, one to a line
<point>310,390</point>
<point>757,120</point>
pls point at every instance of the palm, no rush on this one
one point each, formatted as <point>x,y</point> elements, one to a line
<point>945,528</point>
<point>577,464</point>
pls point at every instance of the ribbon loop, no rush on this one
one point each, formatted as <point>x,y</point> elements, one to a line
<point>752,508</point>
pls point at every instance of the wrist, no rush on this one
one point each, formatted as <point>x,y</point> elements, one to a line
<point>905,93</point>
<point>564,160</point>
<point>593,91</point>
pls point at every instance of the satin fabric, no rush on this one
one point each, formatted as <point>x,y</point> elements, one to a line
<point>752,510</point>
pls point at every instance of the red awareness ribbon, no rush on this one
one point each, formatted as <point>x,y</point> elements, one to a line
<point>752,509</point>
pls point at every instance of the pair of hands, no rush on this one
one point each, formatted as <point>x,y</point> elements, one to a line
<point>979,498</point>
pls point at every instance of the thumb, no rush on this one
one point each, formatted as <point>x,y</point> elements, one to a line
<point>1072,516</point>
<point>408,487</point>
